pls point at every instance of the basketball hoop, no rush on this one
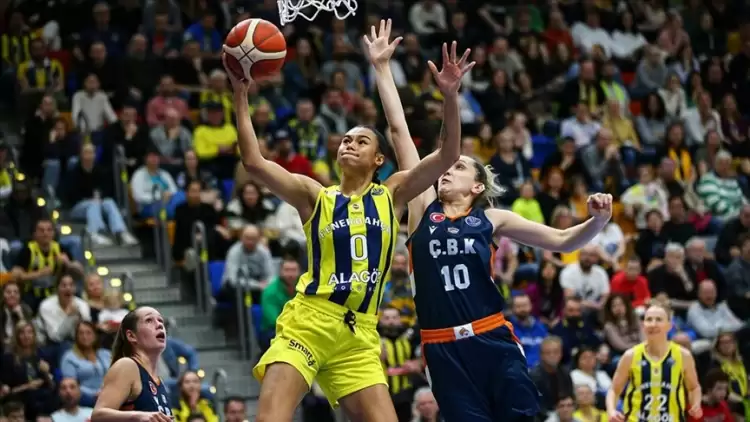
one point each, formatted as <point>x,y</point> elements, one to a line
<point>289,10</point>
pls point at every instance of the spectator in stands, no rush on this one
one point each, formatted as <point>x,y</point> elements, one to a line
<point>398,291</point>
<point>91,109</point>
<point>587,373</point>
<point>566,159</point>
<point>573,330</point>
<point>526,205</point>
<point>107,68</point>
<point>552,379</point>
<point>546,294</point>
<point>59,152</point>
<point>60,314</point>
<point>91,195</point>
<point>249,207</point>
<point>726,356</point>
<point>93,287</point>
<point>273,298</point>
<point>602,161</point>
<point>28,374</point>
<point>13,411</point>
<point>651,74</point>
<point>12,312</point>
<point>206,32</point>
<point>622,329</point>
<point>130,135</point>
<point>172,140</point>
<point>564,409</point>
<point>40,261</point>
<point>189,213</point>
<point>733,124</point>
<point>193,171</point>
<point>511,167</point>
<point>165,98</point>
<point>23,212</point>
<point>580,127</point>
<point>586,280</point>
<point>154,188</point>
<point>644,196</point>
<point>400,356</point>
<point>529,330</point>
<point>287,157</point>
<point>41,74</point>
<point>582,90</point>
<point>701,119</point>
<point>651,240</point>
<point>248,263</point>
<point>286,228</point>
<point>720,190</point>
<point>738,277</point>
<point>306,131</point>
<point>700,265</point>
<point>190,402</point>
<point>623,130</point>
<point>611,245</point>
<point>678,228</point>
<point>86,362</point>
<point>651,125</point>
<point>425,406</point>
<point>216,92</point>
<point>708,316</point>
<point>36,136</point>
<point>631,284</point>
<point>234,410</point>
<point>669,280</point>
<point>7,171</point>
<point>586,410</point>
<point>216,142</point>
<point>705,156</point>
<point>170,366</point>
<point>715,392</point>
<point>141,70</point>
<point>727,243</point>
<point>70,397</point>
<point>552,193</point>
<point>334,118</point>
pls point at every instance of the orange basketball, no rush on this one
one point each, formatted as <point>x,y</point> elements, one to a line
<point>255,49</point>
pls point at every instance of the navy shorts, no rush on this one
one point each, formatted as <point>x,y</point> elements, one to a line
<point>482,379</point>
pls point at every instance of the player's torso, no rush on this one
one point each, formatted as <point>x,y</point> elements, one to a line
<point>452,269</point>
<point>153,397</point>
<point>656,389</point>
<point>350,246</point>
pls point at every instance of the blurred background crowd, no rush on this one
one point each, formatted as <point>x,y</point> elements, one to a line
<point>127,125</point>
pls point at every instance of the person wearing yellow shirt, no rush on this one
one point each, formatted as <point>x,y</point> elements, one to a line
<point>526,205</point>
<point>215,142</point>
<point>217,92</point>
<point>623,131</point>
<point>587,411</point>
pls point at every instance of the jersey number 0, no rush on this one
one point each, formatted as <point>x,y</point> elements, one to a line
<point>458,277</point>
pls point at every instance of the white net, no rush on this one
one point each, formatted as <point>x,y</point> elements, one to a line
<point>309,9</point>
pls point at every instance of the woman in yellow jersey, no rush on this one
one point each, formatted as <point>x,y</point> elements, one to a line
<point>328,331</point>
<point>659,374</point>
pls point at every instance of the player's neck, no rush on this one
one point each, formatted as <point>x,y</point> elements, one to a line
<point>148,362</point>
<point>457,208</point>
<point>354,185</point>
<point>657,348</point>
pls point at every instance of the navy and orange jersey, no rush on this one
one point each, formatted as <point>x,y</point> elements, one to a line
<point>153,398</point>
<point>350,244</point>
<point>451,264</point>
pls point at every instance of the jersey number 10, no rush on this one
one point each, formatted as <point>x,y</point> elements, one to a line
<point>458,277</point>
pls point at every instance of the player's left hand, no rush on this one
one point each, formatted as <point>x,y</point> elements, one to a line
<point>600,205</point>
<point>696,411</point>
<point>379,48</point>
<point>448,79</point>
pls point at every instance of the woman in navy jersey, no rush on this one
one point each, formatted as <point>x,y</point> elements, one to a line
<point>476,366</point>
<point>132,391</point>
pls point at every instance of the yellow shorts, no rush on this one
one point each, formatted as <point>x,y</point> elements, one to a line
<point>312,337</point>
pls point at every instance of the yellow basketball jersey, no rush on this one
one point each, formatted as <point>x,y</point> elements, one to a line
<point>350,244</point>
<point>656,389</point>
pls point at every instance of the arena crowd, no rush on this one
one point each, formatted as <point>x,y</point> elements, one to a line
<point>648,100</point>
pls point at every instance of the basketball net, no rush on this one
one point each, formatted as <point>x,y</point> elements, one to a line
<point>309,9</point>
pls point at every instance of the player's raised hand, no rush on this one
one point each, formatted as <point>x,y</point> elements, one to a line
<point>237,83</point>
<point>600,205</point>
<point>448,79</point>
<point>379,47</point>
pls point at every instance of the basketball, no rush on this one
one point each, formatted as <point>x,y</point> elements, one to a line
<point>255,49</point>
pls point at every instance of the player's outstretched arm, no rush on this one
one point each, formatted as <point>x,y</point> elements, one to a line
<point>116,388</point>
<point>537,235</point>
<point>619,381</point>
<point>408,184</point>
<point>379,51</point>
<point>298,190</point>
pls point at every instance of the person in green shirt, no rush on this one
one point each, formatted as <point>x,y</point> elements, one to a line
<point>526,205</point>
<point>275,296</point>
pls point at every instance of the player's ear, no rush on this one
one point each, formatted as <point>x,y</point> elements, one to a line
<point>379,159</point>
<point>478,188</point>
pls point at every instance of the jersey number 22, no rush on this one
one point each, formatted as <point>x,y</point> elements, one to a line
<point>457,277</point>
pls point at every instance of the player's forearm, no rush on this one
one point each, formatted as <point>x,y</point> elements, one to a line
<point>112,415</point>
<point>695,395</point>
<point>579,235</point>
<point>246,138</point>
<point>451,130</point>
<point>406,153</point>
<point>611,400</point>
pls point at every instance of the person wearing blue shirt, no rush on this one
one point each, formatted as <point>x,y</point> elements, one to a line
<point>205,32</point>
<point>574,330</point>
<point>529,330</point>
<point>170,366</point>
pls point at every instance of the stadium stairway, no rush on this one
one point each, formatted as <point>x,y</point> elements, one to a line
<point>149,286</point>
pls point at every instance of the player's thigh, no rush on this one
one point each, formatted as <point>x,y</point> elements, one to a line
<point>515,396</point>
<point>460,393</point>
<point>353,377</point>
<point>281,391</point>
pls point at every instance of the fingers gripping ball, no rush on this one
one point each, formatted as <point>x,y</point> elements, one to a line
<point>255,49</point>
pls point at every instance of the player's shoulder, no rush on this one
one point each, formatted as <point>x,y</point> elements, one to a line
<point>684,352</point>
<point>124,365</point>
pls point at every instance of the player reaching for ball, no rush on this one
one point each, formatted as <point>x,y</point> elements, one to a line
<point>328,331</point>
<point>476,367</point>
<point>659,374</point>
